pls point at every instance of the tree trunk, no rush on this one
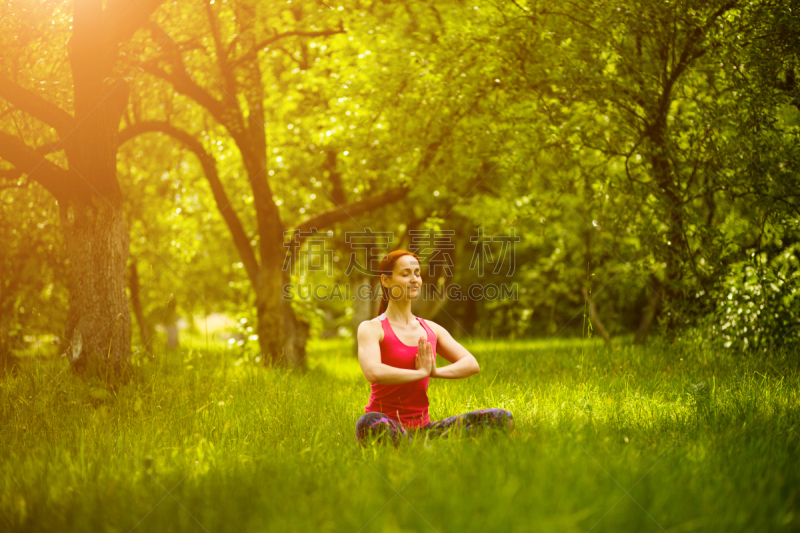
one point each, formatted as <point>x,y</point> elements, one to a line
<point>469,315</point>
<point>98,320</point>
<point>588,258</point>
<point>441,266</point>
<point>7,360</point>
<point>96,235</point>
<point>270,315</point>
<point>89,196</point>
<point>282,335</point>
<point>670,250</point>
<point>173,341</point>
<point>138,310</point>
<point>270,309</point>
<point>375,295</point>
<point>295,337</point>
<point>171,324</point>
<point>648,314</point>
<point>595,317</point>
<point>362,303</point>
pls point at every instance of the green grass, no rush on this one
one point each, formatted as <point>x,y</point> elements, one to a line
<point>653,439</point>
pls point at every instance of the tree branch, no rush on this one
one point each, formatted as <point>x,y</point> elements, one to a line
<point>209,164</point>
<point>185,85</point>
<point>10,174</point>
<point>49,175</point>
<point>36,106</point>
<point>122,18</point>
<point>223,111</point>
<point>347,211</point>
<point>222,55</point>
<point>250,55</point>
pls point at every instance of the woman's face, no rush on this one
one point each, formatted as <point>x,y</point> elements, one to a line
<point>406,280</point>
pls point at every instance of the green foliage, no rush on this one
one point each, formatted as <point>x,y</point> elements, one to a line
<point>32,281</point>
<point>759,306</point>
<point>635,146</point>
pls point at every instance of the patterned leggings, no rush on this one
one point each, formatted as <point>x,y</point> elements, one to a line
<point>379,424</point>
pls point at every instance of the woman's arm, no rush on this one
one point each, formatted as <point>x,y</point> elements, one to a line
<point>463,364</point>
<point>369,357</point>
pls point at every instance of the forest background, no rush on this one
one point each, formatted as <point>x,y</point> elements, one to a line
<point>159,160</point>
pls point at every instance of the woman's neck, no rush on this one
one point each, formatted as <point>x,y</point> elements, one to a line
<point>399,312</point>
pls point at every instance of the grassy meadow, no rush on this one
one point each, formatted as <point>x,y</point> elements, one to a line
<point>635,439</point>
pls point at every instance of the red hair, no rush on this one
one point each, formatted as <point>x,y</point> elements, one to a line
<point>387,267</point>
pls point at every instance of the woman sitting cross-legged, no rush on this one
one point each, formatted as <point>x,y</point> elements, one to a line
<point>397,353</point>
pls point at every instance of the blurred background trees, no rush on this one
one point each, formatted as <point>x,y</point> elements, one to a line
<point>634,162</point>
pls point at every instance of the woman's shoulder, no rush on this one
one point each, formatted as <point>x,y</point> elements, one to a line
<point>372,328</point>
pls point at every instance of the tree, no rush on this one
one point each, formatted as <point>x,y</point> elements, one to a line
<point>237,103</point>
<point>83,180</point>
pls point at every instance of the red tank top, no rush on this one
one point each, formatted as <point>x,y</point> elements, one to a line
<point>406,403</point>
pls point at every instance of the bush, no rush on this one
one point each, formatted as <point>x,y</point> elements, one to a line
<point>757,305</point>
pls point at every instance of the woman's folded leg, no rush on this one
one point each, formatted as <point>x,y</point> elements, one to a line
<point>379,425</point>
<point>473,421</point>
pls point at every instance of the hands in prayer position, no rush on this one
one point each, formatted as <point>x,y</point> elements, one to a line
<point>425,359</point>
